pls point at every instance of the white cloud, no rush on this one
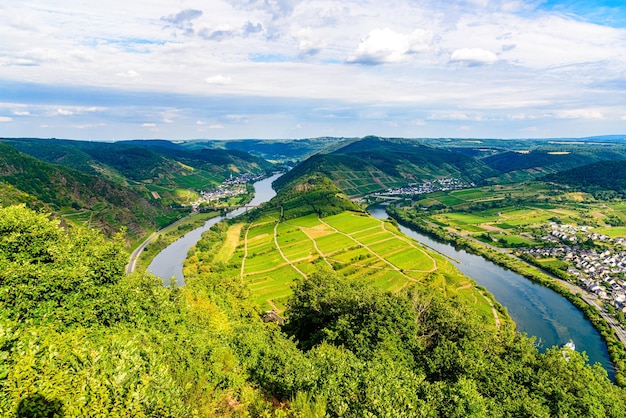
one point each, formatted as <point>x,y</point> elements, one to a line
<point>308,43</point>
<point>129,74</point>
<point>386,46</point>
<point>200,123</point>
<point>148,125</point>
<point>5,119</point>
<point>216,126</point>
<point>218,80</point>
<point>577,114</point>
<point>21,113</point>
<point>473,56</point>
<point>64,112</point>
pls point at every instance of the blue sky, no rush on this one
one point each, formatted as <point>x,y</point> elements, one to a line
<point>293,69</point>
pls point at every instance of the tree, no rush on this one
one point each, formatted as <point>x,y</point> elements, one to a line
<point>326,307</point>
<point>47,272</point>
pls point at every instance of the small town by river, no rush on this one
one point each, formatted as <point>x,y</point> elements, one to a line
<point>537,310</point>
<point>168,263</point>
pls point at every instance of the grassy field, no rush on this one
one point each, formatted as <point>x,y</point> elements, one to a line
<point>268,256</point>
<point>519,215</point>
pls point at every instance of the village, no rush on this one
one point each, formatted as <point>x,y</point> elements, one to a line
<point>231,187</point>
<point>600,269</point>
<point>428,186</point>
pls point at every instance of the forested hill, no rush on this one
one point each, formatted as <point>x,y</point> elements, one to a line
<point>520,165</point>
<point>102,203</point>
<point>144,161</point>
<point>308,194</point>
<point>139,185</point>
<point>373,164</point>
<point>603,175</point>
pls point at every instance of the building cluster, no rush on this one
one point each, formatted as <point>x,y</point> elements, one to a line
<point>428,186</point>
<point>242,179</point>
<point>602,272</point>
<point>233,186</point>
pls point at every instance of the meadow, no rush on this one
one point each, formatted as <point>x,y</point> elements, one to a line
<point>508,216</point>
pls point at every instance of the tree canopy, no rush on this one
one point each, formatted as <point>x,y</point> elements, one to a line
<point>80,338</point>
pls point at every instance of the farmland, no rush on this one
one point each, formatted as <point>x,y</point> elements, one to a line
<point>516,215</point>
<point>267,256</point>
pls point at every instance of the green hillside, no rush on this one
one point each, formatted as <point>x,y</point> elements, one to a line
<point>309,194</point>
<point>374,164</point>
<point>76,196</point>
<point>596,177</point>
<point>154,168</point>
<point>524,165</point>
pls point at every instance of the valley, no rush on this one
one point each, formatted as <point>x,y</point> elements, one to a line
<point>308,300</point>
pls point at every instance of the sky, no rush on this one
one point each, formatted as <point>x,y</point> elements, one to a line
<point>228,69</point>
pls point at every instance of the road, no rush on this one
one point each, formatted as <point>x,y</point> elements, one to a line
<point>134,256</point>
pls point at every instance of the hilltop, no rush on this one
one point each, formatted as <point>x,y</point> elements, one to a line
<point>373,164</point>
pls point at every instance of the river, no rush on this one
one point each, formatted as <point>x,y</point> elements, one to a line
<point>168,263</point>
<point>537,310</point>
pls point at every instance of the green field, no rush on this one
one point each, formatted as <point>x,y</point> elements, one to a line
<point>269,256</point>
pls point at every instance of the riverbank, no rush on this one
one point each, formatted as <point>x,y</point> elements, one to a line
<point>141,257</point>
<point>168,263</point>
<point>607,330</point>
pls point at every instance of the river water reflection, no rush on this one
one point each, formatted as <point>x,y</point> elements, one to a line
<point>537,310</point>
<point>168,263</point>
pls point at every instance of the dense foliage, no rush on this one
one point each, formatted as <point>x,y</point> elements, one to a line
<point>80,338</point>
<point>397,156</point>
<point>306,195</point>
<point>595,178</point>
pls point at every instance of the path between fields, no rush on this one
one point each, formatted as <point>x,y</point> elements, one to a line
<point>282,254</point>
<point>410,242</point>
<point>245,253</point>
<point>394,267</point>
